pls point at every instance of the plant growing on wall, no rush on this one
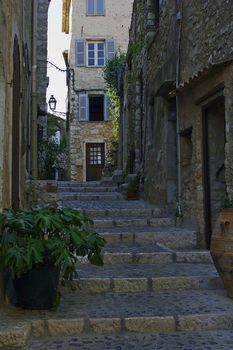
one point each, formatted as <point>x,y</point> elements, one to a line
<point>111,75</point>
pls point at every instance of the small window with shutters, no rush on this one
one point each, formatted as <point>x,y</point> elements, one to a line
<point>95,8</point>
<point>94,108</point>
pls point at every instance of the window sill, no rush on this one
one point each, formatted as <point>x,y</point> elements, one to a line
<point>95,15</point>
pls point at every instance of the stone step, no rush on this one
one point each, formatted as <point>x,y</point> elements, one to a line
<point>150,312</point>
<point>155,212</point>
<point>68,184</point>
<point>91,196</point>
<point>87,189</point>
<point>143,284</point>
<point>110,205</point>
<point>112,258</point>
<point>193,340</point>
<point>169,236</point>
<point>131,222</point>
<point>146,271</point>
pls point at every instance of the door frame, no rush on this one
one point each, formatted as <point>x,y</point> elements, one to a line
<point>206,168</point>
<point>85,154</point>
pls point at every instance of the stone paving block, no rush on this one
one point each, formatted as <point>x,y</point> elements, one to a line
<point>175,283</point>
<point>130,222</point>
<point>150,324</point>
<point>153,258</point>
<point>127,237</point>
<point>194,257</point>
<point>65,327</point>
<point>118,258</point>
<point>204,322</point>
<point>130,285</point>
<point>14,336</point>
<point>161,222</point>
<point>105,325</point>
<point>94,285</point>
<point>111,237</point>
<point>38,328</point>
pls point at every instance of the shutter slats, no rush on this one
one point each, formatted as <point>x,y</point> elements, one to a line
<point>83,107</point>
<point>80,52</point>
<point>110,49</point>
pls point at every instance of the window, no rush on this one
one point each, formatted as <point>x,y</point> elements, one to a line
<point>96,108</point>
<point>95,54</point>
<point>93,107</point>
<point>95,7</point>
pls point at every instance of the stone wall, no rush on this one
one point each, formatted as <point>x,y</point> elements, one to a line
<point>179,65</point>
<point>41,53</point>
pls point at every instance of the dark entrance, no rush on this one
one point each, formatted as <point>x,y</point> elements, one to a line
<point>213,123</point>
<point>15,126</point>
<point>95,161</point>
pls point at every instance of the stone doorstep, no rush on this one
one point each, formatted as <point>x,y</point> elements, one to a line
<point>169,239</point>
<point>144,284</point>
<point>156,257</point>
<point>129,222</point>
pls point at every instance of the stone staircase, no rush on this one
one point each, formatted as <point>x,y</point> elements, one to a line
<point>155,291</point>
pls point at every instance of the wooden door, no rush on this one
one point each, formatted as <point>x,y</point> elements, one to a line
<point>213,126</point>
<point>15,126</point>
<point>95,161</point>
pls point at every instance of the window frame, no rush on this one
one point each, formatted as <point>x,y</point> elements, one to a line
<point>95,9</point>
<point>96,53</point>
<point>83,110</point>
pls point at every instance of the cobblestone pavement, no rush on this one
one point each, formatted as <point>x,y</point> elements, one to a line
<point>215,340</point>
<point>119,204</point>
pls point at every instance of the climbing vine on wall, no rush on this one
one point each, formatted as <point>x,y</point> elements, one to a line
<point>112,72</point>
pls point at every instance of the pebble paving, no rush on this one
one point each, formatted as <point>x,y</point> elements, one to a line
<point>212,340</point>
<point>107,204</point>
<point>122,305</point>
<point>146,270</point>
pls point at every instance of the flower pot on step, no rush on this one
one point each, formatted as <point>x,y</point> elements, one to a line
<point>222,248</point>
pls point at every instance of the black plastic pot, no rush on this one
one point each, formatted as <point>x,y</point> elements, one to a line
<point>37,289</point>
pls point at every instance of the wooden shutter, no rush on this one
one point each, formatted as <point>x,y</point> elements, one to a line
<point>83,107</point>
<point>110,49</point>
<point>107,108</point>
<point>80,52</point>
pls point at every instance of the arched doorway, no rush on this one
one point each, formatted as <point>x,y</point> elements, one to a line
<point>15,126</point>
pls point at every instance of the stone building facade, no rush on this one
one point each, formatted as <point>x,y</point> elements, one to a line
<point>18,100</point>
<point>98,30</point>
<point>177,106</point>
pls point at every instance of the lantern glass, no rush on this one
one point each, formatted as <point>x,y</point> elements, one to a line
<point>52,103</point>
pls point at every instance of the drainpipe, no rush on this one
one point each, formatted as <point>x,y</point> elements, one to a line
<point>34,96</point>
<point>179,24</point>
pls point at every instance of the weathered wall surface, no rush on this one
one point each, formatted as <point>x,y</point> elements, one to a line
<point>114,24</point>
<point>195,37</point>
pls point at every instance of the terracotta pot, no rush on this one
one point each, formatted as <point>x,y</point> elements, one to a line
<point>131,195</point>
<point>222,248</point>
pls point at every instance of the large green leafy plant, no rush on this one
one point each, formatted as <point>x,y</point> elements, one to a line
<point>47,236</point>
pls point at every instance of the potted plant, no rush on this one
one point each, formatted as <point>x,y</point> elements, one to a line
<point>222,243</point>
<point>133,187</point>
<point>40,246</point>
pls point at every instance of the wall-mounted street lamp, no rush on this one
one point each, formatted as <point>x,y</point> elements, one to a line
<point>52,103</point>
